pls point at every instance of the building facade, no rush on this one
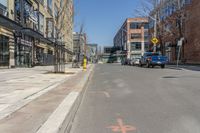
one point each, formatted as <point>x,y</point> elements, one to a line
<point>191,51</point>
<point>28,32</point>
<point>92,52</point>
<point>133,37</point>
<point>79,41</point>
<point>178,21</point>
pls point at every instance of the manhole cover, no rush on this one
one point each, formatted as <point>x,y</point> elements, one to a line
<point>169,77</point>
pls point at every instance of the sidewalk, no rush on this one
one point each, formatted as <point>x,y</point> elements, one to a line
<point>185,67</point>
<point>28,100</point>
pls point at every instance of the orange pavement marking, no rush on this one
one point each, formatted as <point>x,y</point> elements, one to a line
<point>121,127</point>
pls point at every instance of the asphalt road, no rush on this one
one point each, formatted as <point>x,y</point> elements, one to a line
<point>125,99</point>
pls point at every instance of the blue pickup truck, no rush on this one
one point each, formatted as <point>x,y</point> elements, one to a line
<point>153,59</point>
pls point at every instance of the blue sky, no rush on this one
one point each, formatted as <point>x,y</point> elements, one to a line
<point>102,18</point>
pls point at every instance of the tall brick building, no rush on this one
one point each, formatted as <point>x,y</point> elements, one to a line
<point>192,33</point>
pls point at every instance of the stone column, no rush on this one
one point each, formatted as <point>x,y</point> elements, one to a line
<point>11,53</point>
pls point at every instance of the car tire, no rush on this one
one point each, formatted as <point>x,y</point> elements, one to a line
<point>140,64</point>
<point>148,65</point>
<point>162,66</point>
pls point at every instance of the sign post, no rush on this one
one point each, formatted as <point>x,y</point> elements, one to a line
<point>154,40</point>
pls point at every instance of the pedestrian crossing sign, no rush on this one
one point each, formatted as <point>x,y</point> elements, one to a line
<point>154,40</point>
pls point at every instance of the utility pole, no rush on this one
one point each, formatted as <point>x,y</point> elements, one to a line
<point>155,24</point>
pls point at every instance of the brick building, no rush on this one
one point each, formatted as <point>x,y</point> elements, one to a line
<point>176,21</point>
<point>133,37</point>
<point>192,33</point>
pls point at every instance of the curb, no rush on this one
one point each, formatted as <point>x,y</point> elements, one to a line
<point>60,121</point>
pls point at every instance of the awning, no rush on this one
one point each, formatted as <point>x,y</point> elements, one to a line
<point>8,23</point>
<point>35,34</point>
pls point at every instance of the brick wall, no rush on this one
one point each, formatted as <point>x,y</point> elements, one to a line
<point>192,46</point>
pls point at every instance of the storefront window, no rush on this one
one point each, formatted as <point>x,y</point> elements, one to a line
<point>135,46</point>
<point>23,52</point>
<point>4,51</point>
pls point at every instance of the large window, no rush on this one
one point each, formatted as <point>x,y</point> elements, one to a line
<point>146,26</point>
<point>17,11</point>
<point>41,18</point>
<point>3,7</point>
<point>55,11</point>
<point>136,36</point>
<point>49,28</point>
<point>4,51</point>
<point>49,4</point>
<point>135,46</point>
<point>135,25</point>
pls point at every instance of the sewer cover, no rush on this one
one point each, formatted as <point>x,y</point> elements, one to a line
<point>169,77</point>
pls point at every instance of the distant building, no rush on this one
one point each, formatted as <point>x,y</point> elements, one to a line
<point>133,37</point>
<point>79,41</point>
<point>92,52</point>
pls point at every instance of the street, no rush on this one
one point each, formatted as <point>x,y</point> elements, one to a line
<point>126,99</point>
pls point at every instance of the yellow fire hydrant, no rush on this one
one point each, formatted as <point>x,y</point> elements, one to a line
<point>84,63</point>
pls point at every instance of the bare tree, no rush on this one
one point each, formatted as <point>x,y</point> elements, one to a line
<point>171,25</point>
<point>59,60</point>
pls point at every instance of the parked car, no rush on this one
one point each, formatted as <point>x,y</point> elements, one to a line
<point>153,59</point>
<point>135,61</point>
<point>126,62</point>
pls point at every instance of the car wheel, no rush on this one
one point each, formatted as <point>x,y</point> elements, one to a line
<point>140,64</point>
<point>162,66</point>
<point>148,65</point>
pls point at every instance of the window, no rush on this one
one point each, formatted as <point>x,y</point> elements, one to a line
<point>55,11</point>
<point>49,28</point>
<point>146,26</point>
<point>136,36</point>
<point>17,10</point>
<point>146,46</point>
<point>135,46</point>
<point>41,23</point>
<point>41,1</point>
<point>49,4</point>
<point>3,10</point>
<point>135,25</point>
<point>61,3</point>
<point>4,51</point>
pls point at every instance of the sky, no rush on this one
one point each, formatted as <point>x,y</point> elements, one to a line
<point>102,18</point>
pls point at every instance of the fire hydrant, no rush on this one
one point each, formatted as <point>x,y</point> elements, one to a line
<point>84,64</point>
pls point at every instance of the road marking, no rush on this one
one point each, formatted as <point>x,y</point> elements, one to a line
<point>121,127</point>
<point>107,94</point>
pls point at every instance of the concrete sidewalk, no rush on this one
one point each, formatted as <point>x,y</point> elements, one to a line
<point>185,67</point>
<point>28,101</point>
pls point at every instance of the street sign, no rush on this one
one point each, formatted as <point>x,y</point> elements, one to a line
<point>154,40</point>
